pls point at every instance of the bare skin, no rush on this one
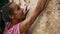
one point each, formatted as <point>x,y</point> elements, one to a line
<point>18,16</point>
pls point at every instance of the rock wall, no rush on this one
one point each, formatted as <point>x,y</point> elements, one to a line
<point>48,22</point>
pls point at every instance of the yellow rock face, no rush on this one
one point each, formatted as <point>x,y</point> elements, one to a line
<point>48,22</point>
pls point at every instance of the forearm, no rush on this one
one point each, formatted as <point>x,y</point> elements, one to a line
<point>40,5</point>
<point>32,16</point>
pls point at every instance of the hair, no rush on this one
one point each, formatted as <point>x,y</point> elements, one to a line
<point>4,16</point>
<point>6,11</point>
<point>2,24</point>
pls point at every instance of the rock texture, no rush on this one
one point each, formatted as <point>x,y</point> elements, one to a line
<point>48,22</point>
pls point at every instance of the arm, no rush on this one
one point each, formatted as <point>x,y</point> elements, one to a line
<point>32,16</point>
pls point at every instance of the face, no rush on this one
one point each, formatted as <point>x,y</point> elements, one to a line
<point>18,13</point>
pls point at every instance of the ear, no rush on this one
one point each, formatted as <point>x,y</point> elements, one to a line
<point>11,16</point>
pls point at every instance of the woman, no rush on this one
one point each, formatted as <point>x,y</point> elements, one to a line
<point>15,20</point>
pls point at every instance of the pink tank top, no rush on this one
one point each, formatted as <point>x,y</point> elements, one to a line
<point>13,30</point>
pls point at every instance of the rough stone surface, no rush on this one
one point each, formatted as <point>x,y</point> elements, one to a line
<point>48,22</point>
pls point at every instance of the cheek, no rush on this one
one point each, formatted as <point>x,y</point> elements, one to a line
<point>22,15</point>
<point>16,14</point>
<point>22,12</point>
<point>19,14</point>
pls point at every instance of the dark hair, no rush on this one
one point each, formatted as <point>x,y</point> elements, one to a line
<point>4,16</point>
<point>2,24</point>
<point>6,11</point>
